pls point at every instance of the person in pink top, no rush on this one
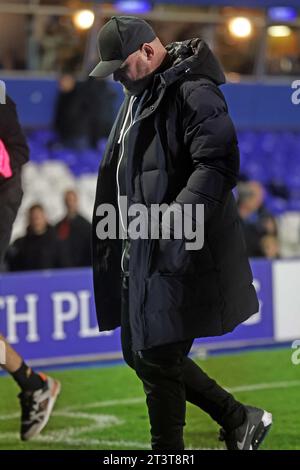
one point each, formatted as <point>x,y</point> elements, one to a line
<point>14,152</point>
<point>5,169</point>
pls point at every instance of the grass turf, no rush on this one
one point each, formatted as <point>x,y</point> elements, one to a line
<point>104,408</point>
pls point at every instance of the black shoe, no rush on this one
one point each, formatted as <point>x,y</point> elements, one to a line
<point>251,433</point>
<point>37,407</point>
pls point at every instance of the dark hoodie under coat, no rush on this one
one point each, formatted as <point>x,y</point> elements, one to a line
<point>182,148</point>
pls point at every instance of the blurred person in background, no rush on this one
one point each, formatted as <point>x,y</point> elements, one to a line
<point>70,115</point>
<point>101,105</point>
<point>255,218</point>
<point>38,392</point>
<point>83,112</point>
<point>173,142</point>
<point>257,200</point>
<point>74,232</point>
<point>39,248</point>
<point>270,247</point>
<point>247,207</point>
<point>269,225</point>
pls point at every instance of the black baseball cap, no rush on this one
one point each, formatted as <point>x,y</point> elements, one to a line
<point>117,39</point>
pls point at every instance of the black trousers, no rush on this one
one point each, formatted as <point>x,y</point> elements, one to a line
<point>10,199</point>
<point>170,378</point>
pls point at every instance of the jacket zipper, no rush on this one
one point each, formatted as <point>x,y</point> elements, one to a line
<point>121,141</point>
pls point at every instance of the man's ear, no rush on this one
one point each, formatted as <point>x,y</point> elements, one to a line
<point>147,50</point>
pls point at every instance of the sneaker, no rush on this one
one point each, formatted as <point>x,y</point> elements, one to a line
<point>37,407</point>
<point>251,433</point>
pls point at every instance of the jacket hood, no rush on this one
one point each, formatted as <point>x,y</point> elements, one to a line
<point>193,57</point>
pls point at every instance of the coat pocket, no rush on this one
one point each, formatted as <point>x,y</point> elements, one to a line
<point>166,300</point>
<point>170,257</point>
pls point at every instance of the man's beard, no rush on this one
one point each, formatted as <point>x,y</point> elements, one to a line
<point>136,87</point>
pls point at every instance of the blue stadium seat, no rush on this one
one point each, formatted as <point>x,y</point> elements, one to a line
<point>265,156</point>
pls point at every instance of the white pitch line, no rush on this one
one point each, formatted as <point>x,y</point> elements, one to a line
<point>107,403</point>
<point>80,442</point>
<point>69,435</point>
<point>241,388</point>
<point>264,386</point>
<point>83,442</point>
<point>137,400</point>
<point>9,416</point>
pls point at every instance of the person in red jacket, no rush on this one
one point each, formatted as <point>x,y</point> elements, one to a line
<point>38,392</point>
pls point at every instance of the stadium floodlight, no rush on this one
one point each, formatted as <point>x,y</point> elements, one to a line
<point>133,6</point>
<point>285,14</point>
<point>84,19</point>
<point>279,31</point>
<point>240,27</point>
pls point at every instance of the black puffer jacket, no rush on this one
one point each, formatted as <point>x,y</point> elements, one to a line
<point>182,148</point>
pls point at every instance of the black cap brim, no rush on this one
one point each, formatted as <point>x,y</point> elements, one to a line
<point>106,68</point>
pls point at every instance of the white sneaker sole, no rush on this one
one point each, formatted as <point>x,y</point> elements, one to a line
<point>35,430</point>
<point>267,419</point>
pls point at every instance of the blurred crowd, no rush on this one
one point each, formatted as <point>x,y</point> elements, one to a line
<point>67,244</point>
<point>46,43</point>
<point>44,246</point>
<point>54,44</point>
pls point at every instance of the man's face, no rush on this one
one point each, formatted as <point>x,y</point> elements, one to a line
<point>133,70</point>
<point>37,221</point>
<point>71,201</point>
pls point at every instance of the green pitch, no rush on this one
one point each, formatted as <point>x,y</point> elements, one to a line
<point>104,408</point>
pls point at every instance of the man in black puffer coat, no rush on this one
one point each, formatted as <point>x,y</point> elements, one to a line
<point>173,142</point>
